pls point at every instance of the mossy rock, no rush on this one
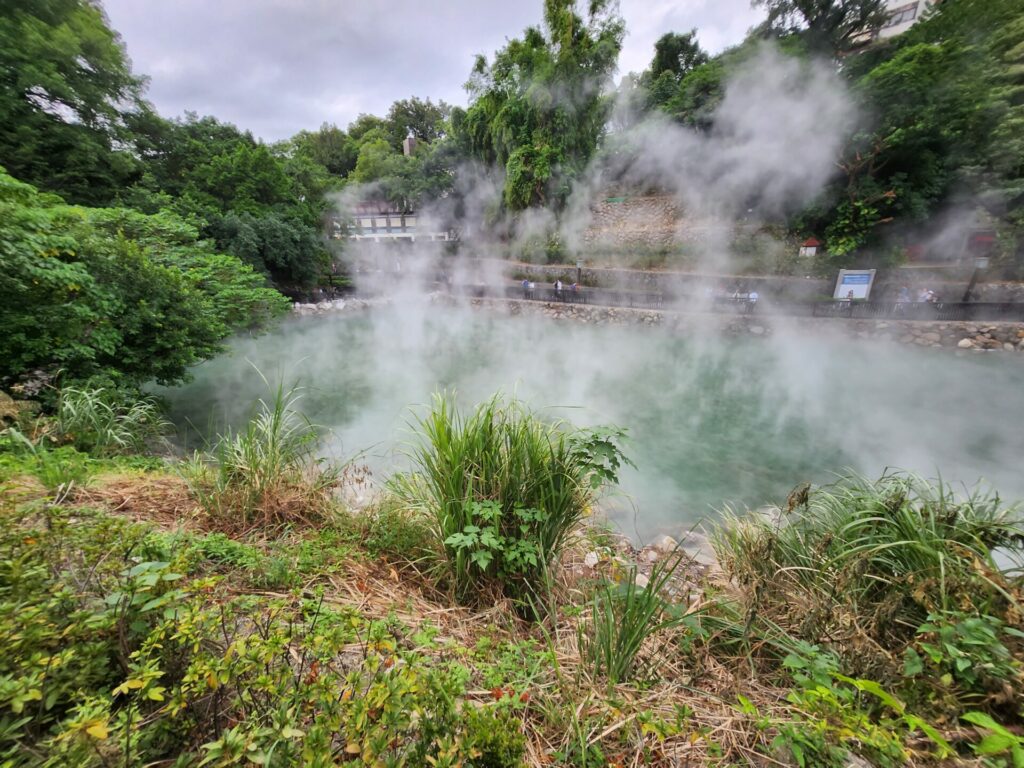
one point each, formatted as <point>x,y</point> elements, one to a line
<point>13,411</point>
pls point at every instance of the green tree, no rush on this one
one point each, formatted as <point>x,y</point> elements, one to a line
<point>114,293</point>
<point>66,93</point>
<point>423,119</point>
<point>329,147</point>
<point>677,54</point>
<point>827,24</point>
<point>539,109</point>
<point>283,248</point>
<point>944,100</point>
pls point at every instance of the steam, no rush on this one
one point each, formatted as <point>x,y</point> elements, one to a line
<point>714,420</point>
<point>773,147</point>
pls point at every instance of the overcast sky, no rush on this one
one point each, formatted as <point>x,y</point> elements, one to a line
<point>278,66</point>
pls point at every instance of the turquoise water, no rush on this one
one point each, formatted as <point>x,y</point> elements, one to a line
<point>713,421</point>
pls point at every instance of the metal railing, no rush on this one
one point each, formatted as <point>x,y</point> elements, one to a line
<point>743,305</point>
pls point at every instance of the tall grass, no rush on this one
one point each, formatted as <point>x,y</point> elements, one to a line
<point>503,489</point>
<point>267,475</point>
<point>623,616</point>
<point>862,564</point>
<point>102,423</point>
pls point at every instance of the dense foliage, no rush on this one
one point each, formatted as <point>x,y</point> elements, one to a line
<point>539,109</point>
<point>940,112</point>
<point>67,95</point>
<point>113,293</point>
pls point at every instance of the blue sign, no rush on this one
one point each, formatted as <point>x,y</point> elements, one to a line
<point>856,279</point>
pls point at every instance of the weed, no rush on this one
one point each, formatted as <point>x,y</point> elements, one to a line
<point>102,423</point>
<point>503,489</point>
<point>969,653</point>
<point>396,532</point>
<point>998,741</point>
<point>865,563</point>
<point>623,617</point>
<point>267,475</point>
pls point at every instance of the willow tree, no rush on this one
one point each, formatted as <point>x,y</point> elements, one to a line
<point>539,108</point>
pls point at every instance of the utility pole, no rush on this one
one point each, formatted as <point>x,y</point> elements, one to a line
<point>980,265</point>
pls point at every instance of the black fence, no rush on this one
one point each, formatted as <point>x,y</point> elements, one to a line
<point>744,305</point>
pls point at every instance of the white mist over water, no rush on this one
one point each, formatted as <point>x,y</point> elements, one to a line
<point>712,420</point>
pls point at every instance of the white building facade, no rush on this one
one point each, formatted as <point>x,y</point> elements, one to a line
<point>903,14</point>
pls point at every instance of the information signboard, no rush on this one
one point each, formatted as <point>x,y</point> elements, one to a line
<point>854,283</point>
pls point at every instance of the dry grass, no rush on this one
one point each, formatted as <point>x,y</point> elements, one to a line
<point>566,710</point>
<point>564,698</point>
<point>162,499</point>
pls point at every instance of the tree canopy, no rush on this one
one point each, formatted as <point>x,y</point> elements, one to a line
<point>829,25</point>
<point>539,108</point>
<point>114,293</point>
<point>66,95</point>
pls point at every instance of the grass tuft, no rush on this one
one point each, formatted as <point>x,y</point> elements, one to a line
<point>99,422</point>
<point>266,476</point>
<point>503,489</point>
<point>864,564</point>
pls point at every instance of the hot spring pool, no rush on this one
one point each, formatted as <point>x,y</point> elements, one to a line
<point>712,421</point>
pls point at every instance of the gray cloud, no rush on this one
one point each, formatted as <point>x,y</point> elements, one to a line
<point>278,66</point>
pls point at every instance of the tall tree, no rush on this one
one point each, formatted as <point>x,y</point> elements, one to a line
<point>677,54</point>
<point>330,147</point>
<point>66,89</point>
<point>423,119</point>
<point>827,24</point>
<point>539,109</point>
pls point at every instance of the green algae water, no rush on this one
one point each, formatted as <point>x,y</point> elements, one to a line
<point>713,421</point>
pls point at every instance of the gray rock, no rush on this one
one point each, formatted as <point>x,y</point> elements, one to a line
<point>664,544</point>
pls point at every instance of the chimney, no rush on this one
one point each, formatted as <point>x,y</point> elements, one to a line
<point>409,145</point>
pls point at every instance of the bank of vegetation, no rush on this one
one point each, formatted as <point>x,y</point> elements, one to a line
<point>230,609</point>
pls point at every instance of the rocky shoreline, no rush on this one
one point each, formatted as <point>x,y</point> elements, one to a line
<point>960,337</point>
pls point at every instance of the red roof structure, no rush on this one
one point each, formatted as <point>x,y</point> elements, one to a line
<point>811,242</point>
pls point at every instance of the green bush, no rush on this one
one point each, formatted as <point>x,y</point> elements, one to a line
<point>968,654</point>
<point>865,563</point>
<point>503,489</point>
<point>392,530</point>
<point>116,657</point>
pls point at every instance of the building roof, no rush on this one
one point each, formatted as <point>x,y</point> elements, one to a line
<point>811,242</point>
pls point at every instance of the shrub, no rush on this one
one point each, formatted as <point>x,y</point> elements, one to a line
<point>99,422</point>
<point>267,475</point>
<point>970,655</point>
<point>503,489</point>
<point>392,530</point>
<point>864,564</point>
<point>116,657</point>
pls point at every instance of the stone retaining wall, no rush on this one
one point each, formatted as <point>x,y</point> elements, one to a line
<point>960,336</point>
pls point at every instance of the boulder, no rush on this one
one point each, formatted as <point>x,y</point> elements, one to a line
<point>664,545</point>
